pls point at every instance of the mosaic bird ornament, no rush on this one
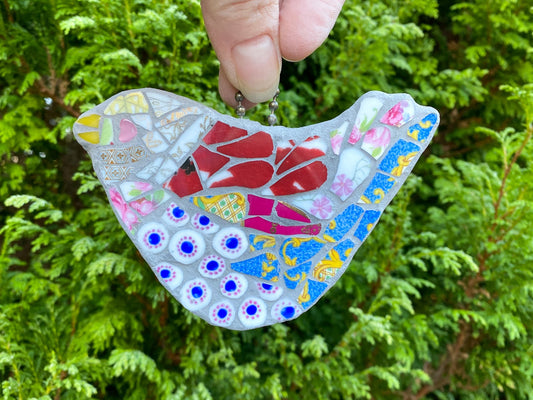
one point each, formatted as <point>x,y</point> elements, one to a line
<point>248,225</point>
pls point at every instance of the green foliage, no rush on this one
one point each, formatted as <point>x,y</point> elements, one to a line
<point>437,303</point>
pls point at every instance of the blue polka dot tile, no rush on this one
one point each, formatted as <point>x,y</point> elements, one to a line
<point>286,309</point>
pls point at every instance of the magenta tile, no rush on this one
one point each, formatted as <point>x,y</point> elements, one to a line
<point>285,211</point>
<point>259,205</point>
<point>266,226</point>
<point>149,203</point>
<point>260,224</point>
<point>299,230</point>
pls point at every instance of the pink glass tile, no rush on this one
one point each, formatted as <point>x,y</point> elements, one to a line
<point>128,131</point>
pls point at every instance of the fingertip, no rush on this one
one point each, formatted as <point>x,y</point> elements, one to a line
<point>305,25</point>
<point>245,37</point>
<point>227,92</point>
<point>257,67</point>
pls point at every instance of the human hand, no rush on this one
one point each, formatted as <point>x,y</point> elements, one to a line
<point>251,36</point>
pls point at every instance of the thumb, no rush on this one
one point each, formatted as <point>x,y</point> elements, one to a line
<point>245,36</point>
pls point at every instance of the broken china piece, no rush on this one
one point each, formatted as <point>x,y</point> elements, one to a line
<point>248,225</point>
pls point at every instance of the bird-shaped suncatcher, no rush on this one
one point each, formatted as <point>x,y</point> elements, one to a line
<point>248,225</point>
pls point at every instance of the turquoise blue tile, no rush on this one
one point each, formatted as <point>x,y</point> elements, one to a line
<point>422,130</point>
<point>369,220</point>
<point>344,222</point>
<point>260,244</point>
<point>259,266</point>
<point>295,275</point>
<point>378,188</point>
<point>342,249</point>
<point>299,250</point>
<point>314,290</point>
<point>328,268</point>
<point>391,162</point>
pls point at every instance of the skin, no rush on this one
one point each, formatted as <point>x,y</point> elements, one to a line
<point>250,37</point>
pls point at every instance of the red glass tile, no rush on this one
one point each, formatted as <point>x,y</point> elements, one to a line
<point>283,149</point>
<point>222,132</point>
<point>307,178</point>
<point>186,181</point>
<point>252,174</point>
<point>255,146</point>
<point>311,148</point>
<point>208,162</point>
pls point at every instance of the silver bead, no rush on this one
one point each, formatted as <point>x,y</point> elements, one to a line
<point>240,111</point>
<point>273,106</point>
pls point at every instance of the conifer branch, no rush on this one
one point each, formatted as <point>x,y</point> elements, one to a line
<point>507,171</point>
<point>55,89</point>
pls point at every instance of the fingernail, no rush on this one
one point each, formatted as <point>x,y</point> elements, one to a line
<point>257,66</point>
